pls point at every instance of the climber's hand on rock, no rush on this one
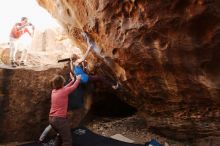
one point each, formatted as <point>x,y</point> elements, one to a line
<point>72,77</point>
<point>78,77</point>
<point>79,61</point>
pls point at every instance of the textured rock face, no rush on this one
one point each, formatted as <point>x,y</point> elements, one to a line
<point>164,53</point>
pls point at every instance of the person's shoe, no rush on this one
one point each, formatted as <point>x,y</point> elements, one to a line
<point>115,86</point>
<point>22,63</point>
<point>58,140</point>
<point>13,64</point>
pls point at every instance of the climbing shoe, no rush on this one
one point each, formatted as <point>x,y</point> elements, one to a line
<point>13,64</point>
<point>22,63</point>
<point>115,86</point>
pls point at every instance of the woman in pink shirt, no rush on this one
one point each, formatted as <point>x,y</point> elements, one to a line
<point>59,103</point>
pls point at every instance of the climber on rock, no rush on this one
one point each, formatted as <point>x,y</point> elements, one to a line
<point>77,66</point>
<point>91,45</point>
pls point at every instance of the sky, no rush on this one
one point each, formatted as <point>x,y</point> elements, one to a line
<point>11,12</point>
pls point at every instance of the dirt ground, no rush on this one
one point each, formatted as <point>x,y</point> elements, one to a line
<point>133,128</point>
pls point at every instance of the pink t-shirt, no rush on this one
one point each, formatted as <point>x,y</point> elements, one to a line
<point>59,99</point>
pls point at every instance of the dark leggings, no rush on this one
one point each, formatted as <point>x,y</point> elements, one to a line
<point>62,126</point>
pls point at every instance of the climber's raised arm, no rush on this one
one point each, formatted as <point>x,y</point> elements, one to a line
<point>85,55</point>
